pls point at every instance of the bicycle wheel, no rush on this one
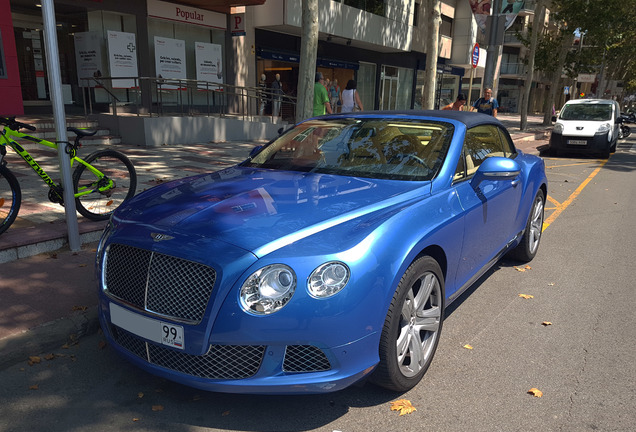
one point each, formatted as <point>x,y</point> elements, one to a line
<point>100,204</point>
<point>10,198</point>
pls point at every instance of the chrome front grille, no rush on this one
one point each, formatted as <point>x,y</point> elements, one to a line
<point>305,358</point>
<point>158,283</point>
<point>220,362</point>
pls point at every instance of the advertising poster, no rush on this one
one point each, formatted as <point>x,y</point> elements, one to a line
<point>122,58</point>
<point>88,52</point>
<point>511,8</point>
<point>170,61</point>
<point>481,10</point>
<point>209,62</point>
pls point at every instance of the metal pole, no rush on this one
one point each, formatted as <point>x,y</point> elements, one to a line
<point>493,47</point>
<point>55,89</point>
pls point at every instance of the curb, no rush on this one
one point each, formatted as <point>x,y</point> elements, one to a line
<point>48,337</point>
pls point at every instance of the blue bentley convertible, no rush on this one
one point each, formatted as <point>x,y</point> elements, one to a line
<point>326,258</point>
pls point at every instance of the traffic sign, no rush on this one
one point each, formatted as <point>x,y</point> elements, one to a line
<point>475,55</point>
<point>566,90</point>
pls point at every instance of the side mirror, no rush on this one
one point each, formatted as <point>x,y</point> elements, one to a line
<point>553,119</point>
<point>496,168</point>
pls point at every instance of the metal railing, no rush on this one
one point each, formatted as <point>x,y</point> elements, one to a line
<point>153,96</point>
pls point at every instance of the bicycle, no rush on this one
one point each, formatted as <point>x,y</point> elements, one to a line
<point>101,182</point>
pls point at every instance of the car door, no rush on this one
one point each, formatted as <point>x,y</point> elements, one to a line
<point>489,208</point>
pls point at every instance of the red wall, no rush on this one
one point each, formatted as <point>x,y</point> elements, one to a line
<point>10,91</point>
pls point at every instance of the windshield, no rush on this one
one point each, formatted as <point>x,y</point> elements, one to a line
<point>388,148</point>
<point>587,112</point>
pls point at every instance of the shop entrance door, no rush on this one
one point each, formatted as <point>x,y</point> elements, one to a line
<point>388,101</point>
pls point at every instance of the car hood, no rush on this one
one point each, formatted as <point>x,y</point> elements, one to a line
<point>582,128</point>
<point>262,210</point>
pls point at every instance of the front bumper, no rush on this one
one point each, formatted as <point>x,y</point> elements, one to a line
<point>597,143</point>
<point>257,369</point>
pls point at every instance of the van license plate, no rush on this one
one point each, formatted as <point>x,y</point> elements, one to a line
<point>577,142</point>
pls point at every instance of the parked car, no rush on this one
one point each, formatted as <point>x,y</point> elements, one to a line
<point>324,259</point>
<point>586,126</point>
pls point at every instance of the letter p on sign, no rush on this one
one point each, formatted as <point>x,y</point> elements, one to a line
<point>238,26</point>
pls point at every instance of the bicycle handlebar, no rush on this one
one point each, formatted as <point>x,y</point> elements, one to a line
<point>12,124</point>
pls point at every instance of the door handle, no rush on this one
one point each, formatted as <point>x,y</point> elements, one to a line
<point>515,182</point>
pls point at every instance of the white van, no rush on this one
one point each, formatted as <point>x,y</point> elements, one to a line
<point>586,126</point>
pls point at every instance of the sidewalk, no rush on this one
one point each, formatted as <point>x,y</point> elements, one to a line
<point>48,292</point>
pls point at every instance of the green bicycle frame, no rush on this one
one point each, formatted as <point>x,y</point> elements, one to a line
<point>24,154</point>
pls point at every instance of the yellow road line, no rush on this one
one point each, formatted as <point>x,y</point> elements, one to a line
<point>567,202</point>
<point>553,201</point>
<point>576,164</point>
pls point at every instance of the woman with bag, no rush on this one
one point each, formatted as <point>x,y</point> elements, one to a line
<point>350,98</point>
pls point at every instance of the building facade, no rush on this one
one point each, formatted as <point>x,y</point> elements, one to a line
<point>379,43</point>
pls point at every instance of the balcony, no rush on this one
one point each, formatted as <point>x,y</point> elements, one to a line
<point>516,69</point>
<point>510,38</point>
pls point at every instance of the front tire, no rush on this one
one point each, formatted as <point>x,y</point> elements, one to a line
<point>10,198</point>
<point>412,327</point>
<point>116,167</point>
<point>526,250</point>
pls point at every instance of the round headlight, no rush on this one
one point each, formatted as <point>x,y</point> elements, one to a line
<point>267,290</point>
<point>558,128</point>
<point>328,279</point>
<point>604,127</point>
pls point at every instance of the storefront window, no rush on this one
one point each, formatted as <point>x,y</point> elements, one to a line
<point>366,84</point>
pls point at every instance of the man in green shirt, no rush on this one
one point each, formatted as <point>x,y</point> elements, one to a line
<point>321,97</point>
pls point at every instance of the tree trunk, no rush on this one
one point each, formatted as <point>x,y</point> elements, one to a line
<point>566,44</point>
<point>433,18</point>
<point>308,54</point>
<point>537,26</point>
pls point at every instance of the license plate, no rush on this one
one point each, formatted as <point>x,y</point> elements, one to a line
<point>155,330</point>
<point>577,142</point>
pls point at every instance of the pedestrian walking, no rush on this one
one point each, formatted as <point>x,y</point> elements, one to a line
<point>487,104</point>
<point>350,98</point>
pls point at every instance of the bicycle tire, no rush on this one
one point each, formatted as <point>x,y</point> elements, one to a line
<point>115,166</point>
<point>9,201</point>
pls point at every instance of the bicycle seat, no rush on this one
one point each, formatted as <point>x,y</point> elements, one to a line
<point>81,132</point>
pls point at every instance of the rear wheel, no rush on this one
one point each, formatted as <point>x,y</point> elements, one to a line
<point>412,327</point>
<point>10,198</point>
<point>105,196</point>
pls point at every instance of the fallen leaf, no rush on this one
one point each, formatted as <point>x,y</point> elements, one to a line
<point>519,269</point>
<point>404,406</point>
<point>80,308</point>
<point>109,203</point>
<point>82,265</point>
<point>535,392</point>
<point>34,360</point>
<point>225,413</point>
<point>1,202</point>
<point>49,356</point>
<point>65,346</point>
<point>135,419</point>
<point>551,284</point>
<point>34,387</point>
<point>53,256</point>
<point>527,267</point>
<point>196,397</point>
<point>546,323</point>
<point>157,407</point>
<point>101,345</point>
<point>526,296</point>
<point>468,346</point>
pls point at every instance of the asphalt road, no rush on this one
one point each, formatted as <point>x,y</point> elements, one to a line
<point>581,282</point>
